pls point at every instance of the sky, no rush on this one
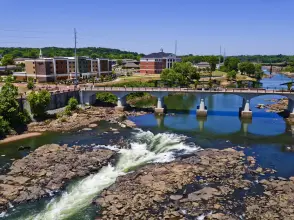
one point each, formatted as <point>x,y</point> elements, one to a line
<point>200,26</point>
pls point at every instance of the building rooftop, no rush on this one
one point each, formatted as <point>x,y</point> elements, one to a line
<point>22,59</point>
<point>158,55</point>
<point>203,63</point>
<point>131,65</point>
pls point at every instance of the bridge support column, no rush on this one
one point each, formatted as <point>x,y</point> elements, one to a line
<point>121,103</point>
<point>160,105</point>
<point>201,111</point>
<point>246,112</point>
<point>291,108</point>
<point>87,98</point>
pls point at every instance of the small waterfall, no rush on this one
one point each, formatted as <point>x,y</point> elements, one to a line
<point>145,147</point>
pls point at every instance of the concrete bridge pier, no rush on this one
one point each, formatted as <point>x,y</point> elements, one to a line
<point>201,111</point>
<point>245,111</point>
<point>160,105</point>
<point>201,122</point>
<point>87,98</point>
<point>245,124</point>
<point>121,103</point>
<point>291,108</point>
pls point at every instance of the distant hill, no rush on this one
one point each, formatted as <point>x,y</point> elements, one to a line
<point>93,52</point>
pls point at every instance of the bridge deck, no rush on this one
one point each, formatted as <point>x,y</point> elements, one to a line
<point>188,90</point>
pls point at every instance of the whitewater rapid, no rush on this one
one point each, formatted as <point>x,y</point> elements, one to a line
<point>145,147</point>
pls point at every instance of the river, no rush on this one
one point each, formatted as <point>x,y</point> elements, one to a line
<point>162,139</point>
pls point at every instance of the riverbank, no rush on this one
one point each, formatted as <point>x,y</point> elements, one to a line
<point>47,170</point>
<point>19,137</point>
<point>82,118</point>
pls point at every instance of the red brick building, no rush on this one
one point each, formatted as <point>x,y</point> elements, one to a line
<point>156,62</point>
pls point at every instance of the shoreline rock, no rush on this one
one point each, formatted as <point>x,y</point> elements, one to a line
<point>48,169</point>
<point>82,118</point>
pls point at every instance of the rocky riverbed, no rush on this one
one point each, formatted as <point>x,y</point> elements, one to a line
<point>278,105</point>
<point>47,170</point>
<point>213,184</point>
<point>82,118</point>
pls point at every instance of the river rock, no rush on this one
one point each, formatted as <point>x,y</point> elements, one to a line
<point>48,168</point>
<point>152,191</point>
<point>93,125</point>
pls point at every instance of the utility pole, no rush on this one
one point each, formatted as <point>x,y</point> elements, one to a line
<point>76,62</point>
<point>176,47</point>
<point>220,54</point>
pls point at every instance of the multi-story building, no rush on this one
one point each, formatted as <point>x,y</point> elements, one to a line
<point>62,68</point>
<point>156,62</point>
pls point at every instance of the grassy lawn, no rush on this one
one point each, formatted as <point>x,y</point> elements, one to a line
<point>124,79</point>
<point>243,77</point>
<point>214,74</point>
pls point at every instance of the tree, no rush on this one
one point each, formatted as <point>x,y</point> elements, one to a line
<point>242,67</point>
<point>7,60</point>
<point>39,102</point>
<point>180,74</point>
<point>232,74</point>
<point>250,69</point>
<point>30,84</point>
<point>258,71</point>
<point>10,109</point>
<point>4,127</point>
<point>212,60</point>
<point>119,62</point>
<point>231,63</point>
<point>170,77</point>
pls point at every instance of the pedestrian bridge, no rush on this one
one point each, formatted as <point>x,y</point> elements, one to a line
<point>88,96</point>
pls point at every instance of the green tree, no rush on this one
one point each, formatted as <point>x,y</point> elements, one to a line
<point>7,60</point>
<point>170,77</point>
<point>258,71</point>
<point>289,85</point>
<point>39,102</point>
<point>119,62</point>
<point>242,67</point>
<point>10,109</point>
<point>4,127</point>
<point>232,74</point>
<point>250,69</point>
<point>30,84</point>
<point>212,60</point>
<point>231,63</point>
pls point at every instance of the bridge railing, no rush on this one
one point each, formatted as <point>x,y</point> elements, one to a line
<point>181,89</point>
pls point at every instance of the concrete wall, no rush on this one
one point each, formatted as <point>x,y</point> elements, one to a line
<point>58,100</point>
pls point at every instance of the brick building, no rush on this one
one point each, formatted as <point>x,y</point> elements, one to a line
<point>62,68</point>
<point>156,62</point>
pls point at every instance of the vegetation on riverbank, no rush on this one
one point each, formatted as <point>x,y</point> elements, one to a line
<point>12,119</point>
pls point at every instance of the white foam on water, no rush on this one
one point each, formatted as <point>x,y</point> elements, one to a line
<point>144,148</point>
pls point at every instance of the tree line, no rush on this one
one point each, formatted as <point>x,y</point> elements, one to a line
<point>264,59</point>
<point>93,52</point>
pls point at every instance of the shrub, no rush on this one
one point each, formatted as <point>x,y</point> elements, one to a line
<point>4,127</point>
<point>39,102</point>
<point>72,104</point>
<point>106,97</point>
<point>30,84</point>
<point>67,111</point>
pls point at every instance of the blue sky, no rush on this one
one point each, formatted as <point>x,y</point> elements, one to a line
<point>199,26</point>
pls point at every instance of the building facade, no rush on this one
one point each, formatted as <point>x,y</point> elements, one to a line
<point>154,63</point>
<point>63,68</point>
